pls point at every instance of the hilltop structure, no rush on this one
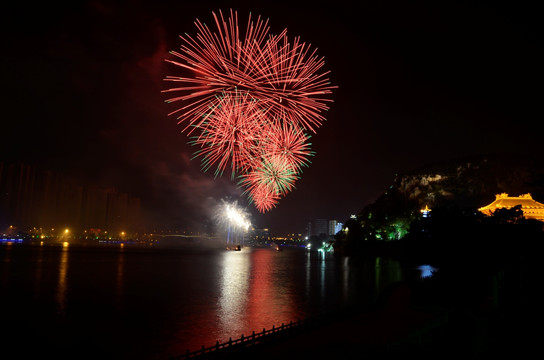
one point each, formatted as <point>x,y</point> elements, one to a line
<point>531,209</point>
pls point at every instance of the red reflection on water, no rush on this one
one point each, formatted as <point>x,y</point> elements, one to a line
<point>270,299</point>
<point>255,292</point>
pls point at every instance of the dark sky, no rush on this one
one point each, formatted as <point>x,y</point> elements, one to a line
<point>419,82</point>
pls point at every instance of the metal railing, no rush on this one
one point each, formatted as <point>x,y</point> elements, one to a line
<point>248,341</point>
<point>417,336</point>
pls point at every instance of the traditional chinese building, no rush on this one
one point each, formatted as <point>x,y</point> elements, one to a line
<point>531,209</point>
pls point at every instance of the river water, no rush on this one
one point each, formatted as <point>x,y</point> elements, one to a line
<point>150,303</point>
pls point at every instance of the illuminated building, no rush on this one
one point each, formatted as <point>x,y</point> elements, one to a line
<point>531,209</point>
<point>334,227</point>
<point>425,212</point>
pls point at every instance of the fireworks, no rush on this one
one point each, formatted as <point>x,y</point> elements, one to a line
<point>263,197</point>
<point>248,101</point>
<point>230,133</point>
<point>233,220</point>
<point>274,173</point>
<point>290,142</point>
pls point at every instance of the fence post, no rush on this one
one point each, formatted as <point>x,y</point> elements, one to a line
<point>203,349</point>
<point>217,345</point>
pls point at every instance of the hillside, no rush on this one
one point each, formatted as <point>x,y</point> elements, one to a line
<point>473,182</point>
<point>464,184</point>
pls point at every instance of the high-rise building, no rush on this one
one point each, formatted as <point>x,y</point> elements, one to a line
<point>323,228</point>
<point>319,227</point>
<point>334,227</point>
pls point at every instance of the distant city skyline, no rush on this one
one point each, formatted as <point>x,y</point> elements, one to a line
<point>32,197</point>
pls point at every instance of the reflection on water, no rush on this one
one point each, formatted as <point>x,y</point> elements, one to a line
<point>321,266</point>
<point>38,275</point>
<point>61,285</point>
<point>270,294</point>
<point>345,278</point>
<point>426,271</point>
<point>234,291</point>
<point>256,291</point>
<point>390,271</point>
<point>150,303</point>
<point>6,263</point>
<point>119,278</point>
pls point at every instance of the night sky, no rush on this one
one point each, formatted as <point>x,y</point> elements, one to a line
<point>418,83</point>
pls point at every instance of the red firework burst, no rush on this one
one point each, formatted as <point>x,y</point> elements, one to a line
<point>288,141</point>
<point>263,197</point>
<point>230,132</point>
<point>248,101</point>
<point>275,173</point>
<point>284,76</point>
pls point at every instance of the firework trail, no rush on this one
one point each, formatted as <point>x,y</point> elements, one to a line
<point>248,101</point>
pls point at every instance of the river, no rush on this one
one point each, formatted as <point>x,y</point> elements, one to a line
<point>149,303</point>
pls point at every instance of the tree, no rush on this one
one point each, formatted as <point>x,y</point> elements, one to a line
<point>512,215</point>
